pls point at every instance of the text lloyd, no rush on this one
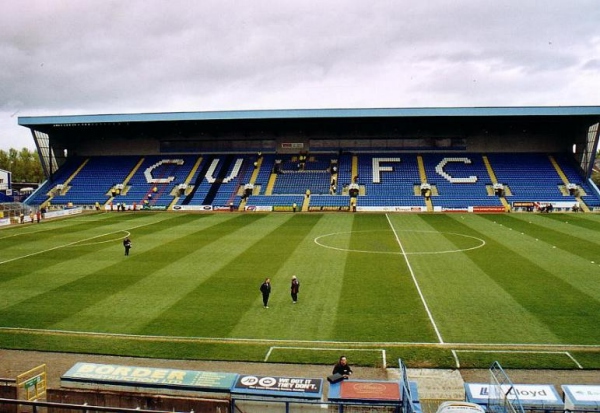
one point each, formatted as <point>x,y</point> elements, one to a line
<point>484,391</point>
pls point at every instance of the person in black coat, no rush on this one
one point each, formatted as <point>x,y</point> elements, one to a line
<point>265,289</point>
<point>295,289</point>
<point>127,245</point>
<point>342,367</point>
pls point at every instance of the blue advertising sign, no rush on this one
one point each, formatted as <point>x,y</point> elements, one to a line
<point>279,386</point>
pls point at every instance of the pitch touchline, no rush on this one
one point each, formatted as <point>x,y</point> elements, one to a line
<point>58,247</point>
<point>46,227</point>
<point>275,341</point>
<point>70,244</point>
<point>412,274</point>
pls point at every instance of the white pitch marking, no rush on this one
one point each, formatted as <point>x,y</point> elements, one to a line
<point>412,274</point>
<point>566,353</point>
<point>317,241</point>
<point>456,359</point>
<point>382,351</point>
<point>321,342</point>
<point>46,227</point>
<point>57,247</point>
<point>573,358</point>
<point>74,243</point>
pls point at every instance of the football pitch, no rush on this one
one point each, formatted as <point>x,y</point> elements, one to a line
<point>436,290</point>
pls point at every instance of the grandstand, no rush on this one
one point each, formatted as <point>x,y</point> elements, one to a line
<point>444,159</point>
<point>392,160</point>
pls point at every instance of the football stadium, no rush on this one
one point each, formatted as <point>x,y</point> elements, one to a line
<point>422,238</point>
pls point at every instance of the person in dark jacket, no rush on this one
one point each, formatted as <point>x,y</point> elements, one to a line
<point>295,289</point>
<point>265,289</point>
<point>127,245</point>
<point>342,367</point>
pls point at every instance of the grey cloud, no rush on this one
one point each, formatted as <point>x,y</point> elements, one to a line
<point>592,65</point>
<point>60,56</point>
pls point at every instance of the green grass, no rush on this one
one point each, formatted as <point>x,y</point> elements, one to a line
<point>410,286</point>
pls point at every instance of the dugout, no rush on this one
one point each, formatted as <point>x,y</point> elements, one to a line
<point>581,397</point>
<point>533,397</point>
<point>380,396</point>
<point>384,396</point>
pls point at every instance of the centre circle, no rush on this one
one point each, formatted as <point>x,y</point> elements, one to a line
<point>328,241</point>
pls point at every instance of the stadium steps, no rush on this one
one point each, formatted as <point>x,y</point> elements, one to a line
<point>187,181</point>
<point>306,203</point>
<point>354,167</point>
<point>492,174</point>
<point>126,180</point>
<point>214,188</point>
<point>422,173</point>
<point>193,171</point>
<point>505,204</point>
<point>583,205</point>
<point>66,185</point>
<point>559,171</point>
<point>73,175</point>
<point>490,170</point>
<point>271,184</point>
<point>256,170</point>
<point>423,177</point>
<point>133,171</point>
<point>429,204</point>
<point>565,180</point>
<point>198,181</point>
<point>46,202</point>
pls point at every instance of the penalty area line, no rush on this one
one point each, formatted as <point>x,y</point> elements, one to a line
<point>564,353</point>
<point>382,351</point>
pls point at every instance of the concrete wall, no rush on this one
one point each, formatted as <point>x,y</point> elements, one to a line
<point>8,392</point>
<point>118,147</point>
<point>517,143</point>
<point>135,400</point>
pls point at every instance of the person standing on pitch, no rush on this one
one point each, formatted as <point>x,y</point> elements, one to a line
<point>265,289</point>
<point>127,245</point>
<point>295,289</point>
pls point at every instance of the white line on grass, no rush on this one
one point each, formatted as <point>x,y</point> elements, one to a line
<point>573,358</point>
<point>70,244</point>
<point>127,234</point>
<point>43,229</point>
<point>46,226</point>
<point>412,274</point>
<point>456,362</point>
<point>318,241</point>
<point>565,353</point>
<point>58,247</point>
<point>540,346</point>
<point>383,356</point>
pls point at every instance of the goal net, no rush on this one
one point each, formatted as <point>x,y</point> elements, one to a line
<point>502,397</point>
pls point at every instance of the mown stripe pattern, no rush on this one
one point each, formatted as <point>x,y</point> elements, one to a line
<point>520,278</point>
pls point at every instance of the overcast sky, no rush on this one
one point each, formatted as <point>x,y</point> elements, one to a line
<point>66,57</point>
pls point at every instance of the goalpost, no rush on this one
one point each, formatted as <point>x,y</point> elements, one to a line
<point>502,397</point>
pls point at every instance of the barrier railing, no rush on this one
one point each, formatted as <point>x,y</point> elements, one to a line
<point>83,408</point>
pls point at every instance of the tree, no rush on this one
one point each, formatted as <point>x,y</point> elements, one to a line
<point>24,165</point>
